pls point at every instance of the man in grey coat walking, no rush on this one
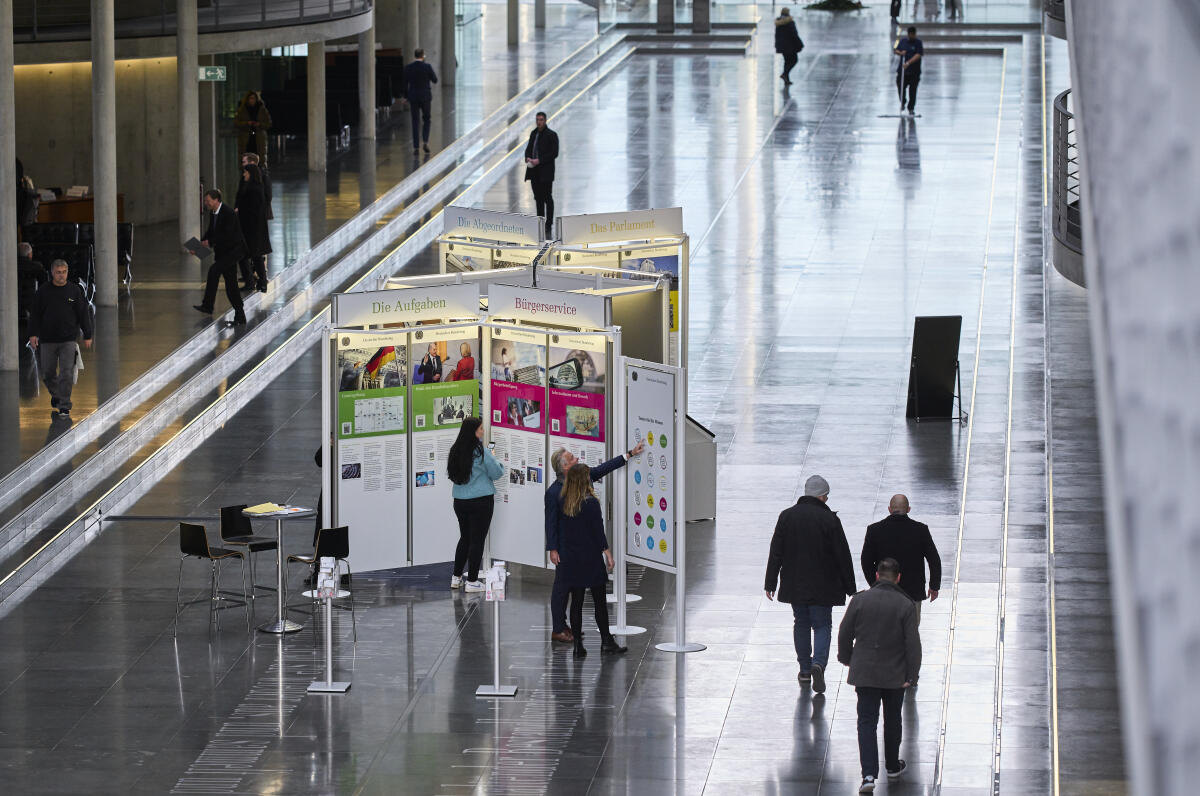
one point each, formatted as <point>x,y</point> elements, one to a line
<point>879,642</point>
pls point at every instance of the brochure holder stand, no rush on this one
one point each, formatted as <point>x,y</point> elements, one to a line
<point>327,587</point>
<point>496,576</point>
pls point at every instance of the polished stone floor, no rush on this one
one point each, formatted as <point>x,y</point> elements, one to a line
<point>821,225</point>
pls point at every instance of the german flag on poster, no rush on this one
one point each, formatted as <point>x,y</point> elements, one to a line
<point>381,358</point>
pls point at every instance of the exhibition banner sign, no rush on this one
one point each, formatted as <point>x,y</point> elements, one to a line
<point>517,366</point>
<point>628,225</point>
<point>445,369</point>
<point>659,260</point>
<point>578,379</point>
<point>406,305</point>
<point>557,307</point>
<point>652,516</point>
<point>372,446</point>
<point>492,225</point>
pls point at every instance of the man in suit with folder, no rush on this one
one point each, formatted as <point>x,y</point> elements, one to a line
<point>224,237</point>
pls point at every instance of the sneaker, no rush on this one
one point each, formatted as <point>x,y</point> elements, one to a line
<point>455,581</point>
<point>474,586</point>
<point>894,773</point>
<point>868,785</point>
<point>803,677</point>
<point>818,678</point>
<point>66,413</point>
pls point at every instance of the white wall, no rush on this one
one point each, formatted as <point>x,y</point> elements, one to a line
<point>1135,73</point>
<point>54,131</point>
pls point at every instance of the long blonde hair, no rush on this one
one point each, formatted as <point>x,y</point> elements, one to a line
<point>577,489</point>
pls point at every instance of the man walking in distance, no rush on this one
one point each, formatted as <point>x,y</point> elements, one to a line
<point>908,73</point>
<point>419,78</point>
<point>910,543</point>
<point>224,236</point>
<point>60,314</point>
<point>540,154</point>
<point>879,642</point>
<point>562,460</point>
<point>810,560</point>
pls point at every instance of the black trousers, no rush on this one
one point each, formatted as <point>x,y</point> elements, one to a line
<point>908,82</point>
<point>474,519</point>
<point>869,700</point>
<point>558,602</point>
<point>789,62</point>
<point>225,268</point>
<point>598,600</point>
<point>544,199</point>
<point>419,111</point>
<point>256,266</point>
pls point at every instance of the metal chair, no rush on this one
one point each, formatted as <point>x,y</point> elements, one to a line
<point>332,543</point>
<point>236,530</point>
<point>193,543</point>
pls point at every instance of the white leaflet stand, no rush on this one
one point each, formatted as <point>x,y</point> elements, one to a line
<point>327,588</point>
<point>496,577</point>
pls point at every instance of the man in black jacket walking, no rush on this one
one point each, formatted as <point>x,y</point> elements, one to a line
<point>910,543</point>
<point>879,642</point>
<point>810,560</point>
<point>224,236</point>
<point>61,312</point>
<point>419,78</point>
<point>540,154</point>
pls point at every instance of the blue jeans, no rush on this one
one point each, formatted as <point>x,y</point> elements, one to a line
<point>818,620</point>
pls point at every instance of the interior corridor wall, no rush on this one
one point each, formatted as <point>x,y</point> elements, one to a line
<point>1134,69</point>
<point>54,131</point>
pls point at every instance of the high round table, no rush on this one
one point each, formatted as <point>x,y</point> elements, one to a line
<point>281,624</point>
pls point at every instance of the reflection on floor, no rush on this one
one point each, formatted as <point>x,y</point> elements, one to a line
<point>820,226</point>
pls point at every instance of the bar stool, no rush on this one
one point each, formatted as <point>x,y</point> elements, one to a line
<point>237,530</point>
<point>332,543</point>
<point>193,543</point>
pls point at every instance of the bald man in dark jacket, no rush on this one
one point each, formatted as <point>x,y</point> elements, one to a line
<point>910,543</point>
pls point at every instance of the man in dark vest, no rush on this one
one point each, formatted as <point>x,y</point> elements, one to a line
<point>540,154</point>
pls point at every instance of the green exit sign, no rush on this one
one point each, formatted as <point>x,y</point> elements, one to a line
<point>215,74</point>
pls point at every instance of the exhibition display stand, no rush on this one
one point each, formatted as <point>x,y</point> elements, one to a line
<point>631,244</point>
<point>483,240</point>
<point>407,364</point>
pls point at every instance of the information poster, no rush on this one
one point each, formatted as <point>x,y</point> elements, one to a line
<point>372,485</point>
<point>650,478</point>
<point>466,257</point>
<point>604,258</point>
<point>659,260</point>
<point>445,372</point>
<point>577,375</point>
<point>517,364</point>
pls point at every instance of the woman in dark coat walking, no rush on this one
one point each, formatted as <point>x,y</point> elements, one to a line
<point>787,43</point>
<point>252,122</point>
<point>583,554</point>
<point>251,206</point>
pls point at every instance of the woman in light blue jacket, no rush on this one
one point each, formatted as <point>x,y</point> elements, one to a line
<point>472,469</point>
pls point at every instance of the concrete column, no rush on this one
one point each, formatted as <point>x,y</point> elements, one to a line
<point>316,106</point>
<point>702,16</point>
<point>366,84</point>
<point>187,64</point>
<point>666,16</point>
<point>514,22</point>
<point>9,346</point>
<point>104,149</point>
<point>448,54</point>
<point>410,14</point>
<point>539,14</point>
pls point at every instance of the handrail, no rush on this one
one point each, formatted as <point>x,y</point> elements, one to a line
<point>52,20</point>
<point>1065,207</point>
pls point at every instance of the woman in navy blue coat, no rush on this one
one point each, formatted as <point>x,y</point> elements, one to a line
<point>584,557</point>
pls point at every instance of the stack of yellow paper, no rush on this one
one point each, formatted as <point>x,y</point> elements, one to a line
<point>264,508</point>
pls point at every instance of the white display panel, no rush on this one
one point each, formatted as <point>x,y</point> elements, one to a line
<point>445,367</point>
<point>371,480</point>
<point>517,366</point>
<point>652,515</point>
